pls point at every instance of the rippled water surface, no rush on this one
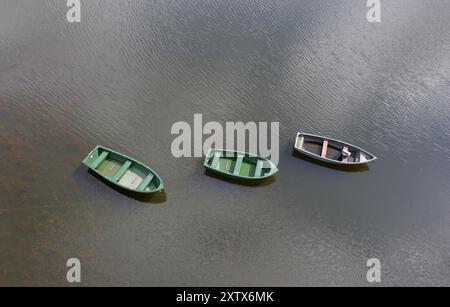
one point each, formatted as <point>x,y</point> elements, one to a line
<point>132,68</point>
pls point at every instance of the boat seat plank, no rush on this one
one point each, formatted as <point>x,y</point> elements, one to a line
<point>100,159</point>
<point>121,171</point>
<point>324,148</point>
<point>259,167</point>
<point>215,162</point>
<point>237,167</point>
<point>300,141</point>
<point>345,158</point>
<point>144,184</point>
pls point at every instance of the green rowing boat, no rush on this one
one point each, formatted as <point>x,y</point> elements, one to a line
<point>239,165</point>
<point>123,171</point>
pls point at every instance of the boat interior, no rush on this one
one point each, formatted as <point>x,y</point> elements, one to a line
<point>123,172</point>
<point>239,164</point>
<point>330,149</point>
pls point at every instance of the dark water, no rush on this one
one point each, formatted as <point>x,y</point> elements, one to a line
<point>132,68</point>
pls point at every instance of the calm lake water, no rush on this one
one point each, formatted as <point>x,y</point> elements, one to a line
<point>133,68</point>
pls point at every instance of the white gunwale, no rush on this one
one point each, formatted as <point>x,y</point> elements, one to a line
<point>325,159</point>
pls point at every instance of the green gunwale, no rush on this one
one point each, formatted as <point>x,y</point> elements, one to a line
<point>123,171</point>
<point>239,165</point>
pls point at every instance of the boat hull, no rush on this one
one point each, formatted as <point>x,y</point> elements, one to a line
<point>123,171</point>
<point>239,165</point>
<point>331,151</point>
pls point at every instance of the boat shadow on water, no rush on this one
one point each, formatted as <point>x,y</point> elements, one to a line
<point>344,168</point>
<point>248,183</point>
<point>153,198</point>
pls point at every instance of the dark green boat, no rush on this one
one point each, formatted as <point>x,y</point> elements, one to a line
<point>239,165</point>
<point>123,171</point>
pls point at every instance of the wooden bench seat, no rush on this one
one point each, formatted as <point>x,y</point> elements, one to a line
<point>259,167</point>
<point>215,161</point>
<point>300,141</point>
<point>121,171</point>
<point>100,159</point>
<point>144,184</point>
<point>324,148</point>
<point>237,166</point>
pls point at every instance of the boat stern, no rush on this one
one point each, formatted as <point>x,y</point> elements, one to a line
<point>274,169</point>
<point>91,157</point>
